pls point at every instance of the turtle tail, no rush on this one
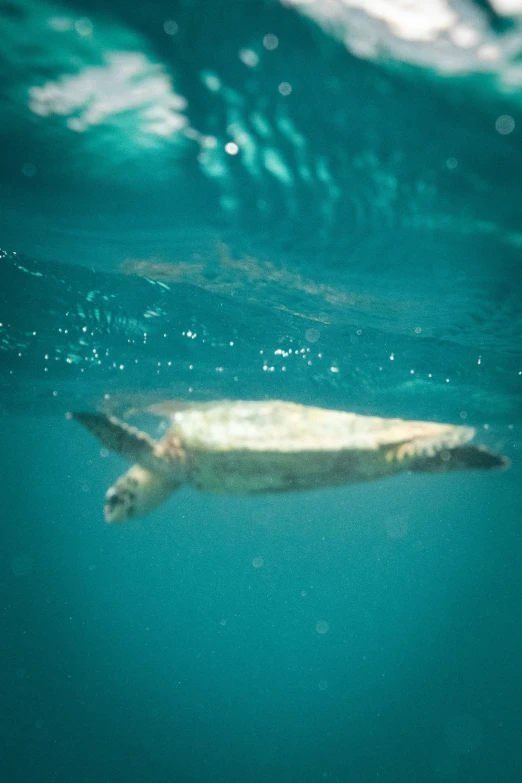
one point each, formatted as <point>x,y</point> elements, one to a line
<point>460,458</point>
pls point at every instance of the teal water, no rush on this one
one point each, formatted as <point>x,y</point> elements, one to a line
<point>247,200</point>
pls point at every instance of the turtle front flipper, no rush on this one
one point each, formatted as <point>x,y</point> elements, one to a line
<point>128,442</point>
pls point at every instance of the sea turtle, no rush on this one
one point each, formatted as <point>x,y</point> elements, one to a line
<point>248,448</point>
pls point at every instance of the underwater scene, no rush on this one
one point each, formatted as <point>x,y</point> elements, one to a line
<point>268,254</point>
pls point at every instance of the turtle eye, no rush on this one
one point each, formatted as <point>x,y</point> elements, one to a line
<point>113,500</point>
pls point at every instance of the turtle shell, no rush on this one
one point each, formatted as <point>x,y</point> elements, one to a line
<point>242,448</point>
<point>276,426</point>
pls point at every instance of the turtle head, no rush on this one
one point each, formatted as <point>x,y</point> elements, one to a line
<point>135,494</point>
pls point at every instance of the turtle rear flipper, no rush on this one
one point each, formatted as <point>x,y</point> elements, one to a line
<point>460,458</point>
<point>128,442</point>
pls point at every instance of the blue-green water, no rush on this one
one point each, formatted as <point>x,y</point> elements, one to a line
<point>256,199</point>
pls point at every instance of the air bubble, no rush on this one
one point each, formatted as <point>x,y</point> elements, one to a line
<point>171,27</point>
<point>249,57</point>
<point>312,335</point>
<point>505,124</point>
<point>270,42</point>
<point>322,627</point>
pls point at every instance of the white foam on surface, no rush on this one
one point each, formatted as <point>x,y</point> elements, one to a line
<point>127,82</point>
<point>452,37</point>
